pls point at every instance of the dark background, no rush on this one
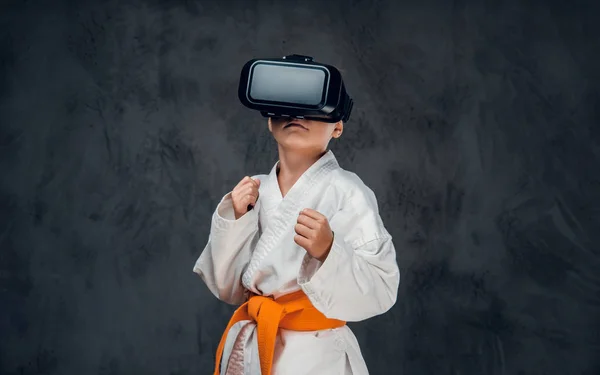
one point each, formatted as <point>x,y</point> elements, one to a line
<point>476,126</point>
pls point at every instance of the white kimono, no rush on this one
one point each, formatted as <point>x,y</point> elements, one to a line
<point>358,279</point>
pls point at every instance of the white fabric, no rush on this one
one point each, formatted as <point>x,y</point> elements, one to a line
<point>358,280</point>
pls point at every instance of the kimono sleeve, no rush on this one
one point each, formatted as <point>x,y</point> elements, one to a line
<point>359,278</point>
<point>228,251</point>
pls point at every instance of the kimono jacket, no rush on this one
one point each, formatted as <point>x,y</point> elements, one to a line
<point>358,279</point>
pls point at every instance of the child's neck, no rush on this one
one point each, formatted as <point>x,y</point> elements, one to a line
<point>292,165</point>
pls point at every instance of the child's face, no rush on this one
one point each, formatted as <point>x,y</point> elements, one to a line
<point>301,134</point>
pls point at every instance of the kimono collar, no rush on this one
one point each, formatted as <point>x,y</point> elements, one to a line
<point>273,193</point>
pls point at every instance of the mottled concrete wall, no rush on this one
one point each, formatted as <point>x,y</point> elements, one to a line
<point>477,127</point>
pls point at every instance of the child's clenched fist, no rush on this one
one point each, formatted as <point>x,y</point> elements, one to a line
<point>314,234</point>
<point>244,196</point>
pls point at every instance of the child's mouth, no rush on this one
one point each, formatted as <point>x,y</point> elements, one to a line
<point>294,124</point>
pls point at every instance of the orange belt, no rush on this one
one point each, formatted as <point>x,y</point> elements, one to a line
<point>293,311</point>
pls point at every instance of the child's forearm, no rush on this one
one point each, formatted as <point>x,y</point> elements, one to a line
<point>353,284</point>
<point>227,252</point>
<point>359,277</point>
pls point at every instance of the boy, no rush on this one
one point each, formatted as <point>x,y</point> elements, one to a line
<point>311,254</point>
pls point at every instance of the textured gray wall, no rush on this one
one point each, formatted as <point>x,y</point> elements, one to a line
<point>477,127</point>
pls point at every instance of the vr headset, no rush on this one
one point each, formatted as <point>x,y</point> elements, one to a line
<point>294,86</point>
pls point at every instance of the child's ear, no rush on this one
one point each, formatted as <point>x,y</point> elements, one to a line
<point>270,125</point>
<point>338,129</point>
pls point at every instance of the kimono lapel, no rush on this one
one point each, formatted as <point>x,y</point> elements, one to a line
<point>271,194</point>
<point>287,210</point>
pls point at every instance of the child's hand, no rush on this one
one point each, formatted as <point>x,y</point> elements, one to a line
<point>314,234</point>
<point>244,196</point>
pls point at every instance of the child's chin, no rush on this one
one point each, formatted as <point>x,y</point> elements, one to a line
<point>294,143</point>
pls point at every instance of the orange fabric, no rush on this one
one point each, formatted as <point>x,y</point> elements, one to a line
<point>293,311</point>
